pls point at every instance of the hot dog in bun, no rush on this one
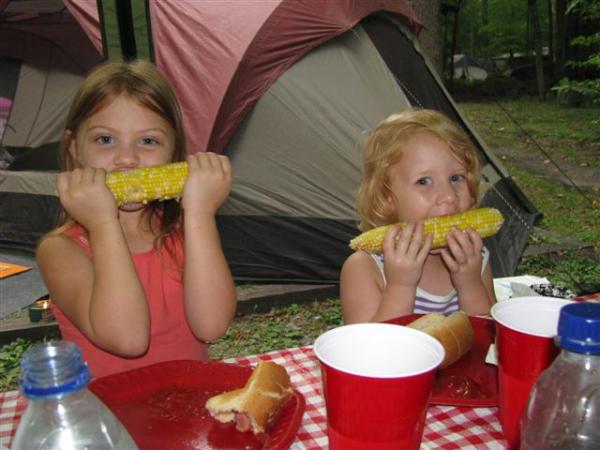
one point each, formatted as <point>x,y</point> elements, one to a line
<point>256,405</point>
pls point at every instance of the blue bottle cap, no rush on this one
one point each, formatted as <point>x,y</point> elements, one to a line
<point>579,328</point>
<point>52,369</point>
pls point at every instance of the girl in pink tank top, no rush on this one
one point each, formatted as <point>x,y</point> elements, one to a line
<point>135,284</point>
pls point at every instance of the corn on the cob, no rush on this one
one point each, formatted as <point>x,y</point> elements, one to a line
<point>149,183</point>
<point>486,221</point>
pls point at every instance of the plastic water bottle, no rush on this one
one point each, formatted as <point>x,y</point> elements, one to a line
<point>61,412</point>
<point>564,405</point>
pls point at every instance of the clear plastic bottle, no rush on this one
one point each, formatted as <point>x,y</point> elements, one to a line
<point>61,412</point>
<point>564,405</point>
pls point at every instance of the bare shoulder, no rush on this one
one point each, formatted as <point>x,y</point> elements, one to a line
<point>57,247</point>
<point>359,260</point>
<point>359,267</point>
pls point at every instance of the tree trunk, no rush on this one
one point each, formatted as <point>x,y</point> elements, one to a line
<point>484,21</point>
<point>431,37</point>
<point>550,32</point>
<point>537,45</point>
<point>454,40</point>
<point>560,38</point>
<point>528,30</point>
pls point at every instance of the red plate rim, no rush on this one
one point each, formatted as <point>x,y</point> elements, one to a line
<point>485,374</point>
<point>118,389</point>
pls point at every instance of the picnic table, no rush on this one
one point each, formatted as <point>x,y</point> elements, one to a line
<point>446,426</point>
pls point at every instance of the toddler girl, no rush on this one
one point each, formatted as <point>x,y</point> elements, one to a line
<point>417,164</point>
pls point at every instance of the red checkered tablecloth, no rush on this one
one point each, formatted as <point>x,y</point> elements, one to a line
<point>595,297</point>
<point>446,427</point>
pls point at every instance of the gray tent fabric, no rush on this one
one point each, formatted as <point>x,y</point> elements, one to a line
<point>298,151</point>
<point>41,102</point>
<point>47,81</point>
<point>297,158</point>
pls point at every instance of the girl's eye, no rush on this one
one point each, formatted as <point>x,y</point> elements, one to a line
<point>104,140</point>
<point>457,178</point>
<point>149,141</point>
<point>424,181</point>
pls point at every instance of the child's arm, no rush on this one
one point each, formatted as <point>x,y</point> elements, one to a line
<point>364,295</point>
<point>463,259</point>
<point>101,296</point>
<point>210,299</point>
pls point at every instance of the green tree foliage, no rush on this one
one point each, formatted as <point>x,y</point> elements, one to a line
<point>585,89</point>
<point>589,11</point>
<point>506,29</point>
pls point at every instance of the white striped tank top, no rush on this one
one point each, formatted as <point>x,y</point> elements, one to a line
<point>426,302</point>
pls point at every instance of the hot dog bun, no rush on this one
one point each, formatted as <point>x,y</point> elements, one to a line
<point>256,405</point>
<point>454,332</point>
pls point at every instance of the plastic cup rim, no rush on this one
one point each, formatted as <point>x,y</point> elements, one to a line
<point>513,301</point>
<point>436,347</point>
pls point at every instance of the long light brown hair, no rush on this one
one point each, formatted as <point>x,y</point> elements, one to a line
<point>384,147</point>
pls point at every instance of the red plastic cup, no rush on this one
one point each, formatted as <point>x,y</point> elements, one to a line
<point>525,328</point>
<point>377,381</point>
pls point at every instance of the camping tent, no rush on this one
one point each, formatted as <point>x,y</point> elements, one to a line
<point>287,90</point>
<point>469,68</point>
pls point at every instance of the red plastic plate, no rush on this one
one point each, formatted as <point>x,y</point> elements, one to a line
<point>162,406</point>
<point>470,381</point>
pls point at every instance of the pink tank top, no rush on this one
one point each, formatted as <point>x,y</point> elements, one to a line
<point>170,335</point>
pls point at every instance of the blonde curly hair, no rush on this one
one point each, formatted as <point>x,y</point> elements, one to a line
<point>384,147</point>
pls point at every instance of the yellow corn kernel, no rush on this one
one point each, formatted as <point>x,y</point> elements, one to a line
<point>149,183</point>
<point>486,221</point>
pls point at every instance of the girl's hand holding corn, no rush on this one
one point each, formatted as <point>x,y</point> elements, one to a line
<point>463,258</point>
<point>208,183</point>
<point>81,188</point>
<point>405,251</point>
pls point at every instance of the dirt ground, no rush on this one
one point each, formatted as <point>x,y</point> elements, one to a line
<point>569,173</point>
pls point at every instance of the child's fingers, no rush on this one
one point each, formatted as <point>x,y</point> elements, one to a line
<point>87,175</point>
<point>459,245</point>
<point>208,160</point>
<point>389,240</point>
<point>76,177</point>
<point>99,176</point>
<point>211,163</point>
<point>405,237</point>
<point>450,262</point>
<point>416,239</point>
<point>225,165</point>
<point>193,163</point>
<point>426,247</point>
<point>476,239</point>
<point>62,182</point>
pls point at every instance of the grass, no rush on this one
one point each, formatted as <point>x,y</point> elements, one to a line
<point>284,327</point>
<point>568,136</point>
<point>571,138</point>
<point>564,133</point>
<point>563,208</point>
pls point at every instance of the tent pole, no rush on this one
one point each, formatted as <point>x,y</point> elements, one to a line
<point>126,29</point>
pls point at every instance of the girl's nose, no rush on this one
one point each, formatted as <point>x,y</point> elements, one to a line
<point>446,194</point>
<point>126,156</point>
